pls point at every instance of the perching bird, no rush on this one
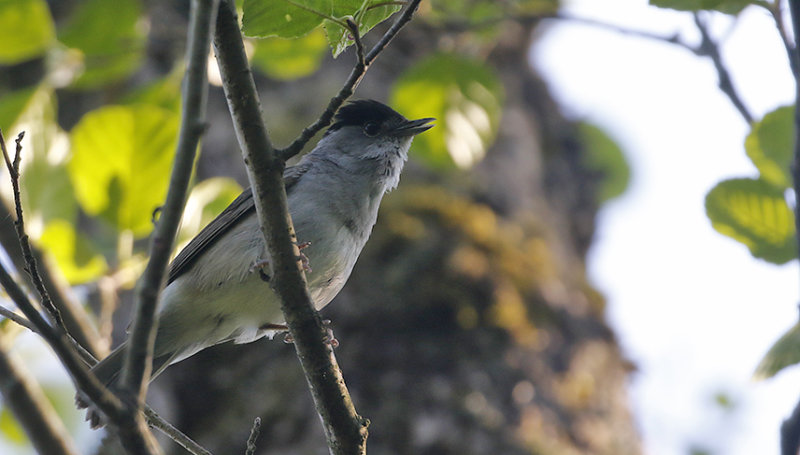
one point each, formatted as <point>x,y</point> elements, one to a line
<point>214,292</point>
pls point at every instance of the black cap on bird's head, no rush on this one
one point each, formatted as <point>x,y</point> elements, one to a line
<point>375,117</point>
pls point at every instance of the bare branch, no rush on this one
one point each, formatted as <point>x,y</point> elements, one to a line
<point>8,314</point>
<point>251,441</point>
<point>345,430</point>
<point>356,74</point>
<point>709,48</point>
<point>32,268</point>
<point>173,433</point>
<point>138,357</point>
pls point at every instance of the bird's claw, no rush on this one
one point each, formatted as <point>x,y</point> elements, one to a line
<point>329,338</point>
<point>261,266</point>
<point>306,264</point>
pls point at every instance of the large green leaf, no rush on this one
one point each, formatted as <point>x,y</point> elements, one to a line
<point>784,353</point>
<point>724,6</point>
<point>755,213</point>
<point>76,258</point>
<point>604,156</point>
<point>464,95</point>
<point>290,18</point>
<point>290,59</point>
<point>373,13</point>
<point>770,146</point>
<point>26,30</point>
<point>109,38</point>
<point>121,161</point>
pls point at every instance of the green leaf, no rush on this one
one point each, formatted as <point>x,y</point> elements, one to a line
<point>339,38</point>
<point>11,107</point>
<point>724,6</point>
<point>26,30</point>
<point>110,50</point>
<point>290,59</point>
<point>755,213</point>
<point>605,157</point>
<point>75,257</point>
<point>784,353</point>
<point>121,161</point>
<point>464,95</point>
<point>289,18</point>
<point>207,200</point>
<point>770,146</point>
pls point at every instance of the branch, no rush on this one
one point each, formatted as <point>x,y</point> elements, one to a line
<point>138,357</point>
<point>710,49</point>
<point>776,11</point>
<point>30,261</point>
<point>345,430</point>
<point>790,429</point>
<point>356,74</point>
<point>22,394</point>
<point>251,440</point>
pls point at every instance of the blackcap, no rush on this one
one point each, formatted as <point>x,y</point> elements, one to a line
<point>215,292</point>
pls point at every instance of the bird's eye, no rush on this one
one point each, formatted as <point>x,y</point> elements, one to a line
<point>372,129</point>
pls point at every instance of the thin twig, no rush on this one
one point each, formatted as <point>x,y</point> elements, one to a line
<point>12,316</point>
<point>710,49</point>
<point>356,74</point>
<point>776,11</point>
<point>158,422</point>
<point>30,261</point>
<point>356,34</point>
<point>251,440</point>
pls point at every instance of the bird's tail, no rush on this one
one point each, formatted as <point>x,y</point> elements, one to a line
<point>108,372</point>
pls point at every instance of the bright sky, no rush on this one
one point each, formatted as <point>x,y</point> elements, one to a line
<point>692,308</point>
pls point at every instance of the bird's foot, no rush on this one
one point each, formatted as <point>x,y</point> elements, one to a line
<point>262,267</point>
<point>329,338</point>
<point>303,258</point>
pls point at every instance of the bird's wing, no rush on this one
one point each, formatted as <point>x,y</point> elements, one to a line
<point>236,211</point>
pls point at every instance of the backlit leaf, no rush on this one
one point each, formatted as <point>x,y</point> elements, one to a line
<point>121,161</point>
<point>76,259</point>
<point>339,38</point>
<point>11,106</point>
<point>770,146</point>
<point>724,6</point>
<point>287,18</point>
<point>464,95</point>
<point>26,30</point>
<point>290,59</point>
<point>784,353</point>
<point>755,213</point>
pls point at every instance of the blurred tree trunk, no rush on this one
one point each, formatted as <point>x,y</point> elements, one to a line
<point>468,326</point>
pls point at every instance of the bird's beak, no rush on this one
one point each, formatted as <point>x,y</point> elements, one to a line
<point>412,127</point>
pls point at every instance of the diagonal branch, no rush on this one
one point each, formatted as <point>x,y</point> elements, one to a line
<point>709,48</point>
<point>356,74</point>
<point>138,357</point>
<point>345,430</point>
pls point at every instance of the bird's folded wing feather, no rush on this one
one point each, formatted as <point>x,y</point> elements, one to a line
<point>236,211</point>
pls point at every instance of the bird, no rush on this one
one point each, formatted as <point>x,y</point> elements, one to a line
<point>215,290</point>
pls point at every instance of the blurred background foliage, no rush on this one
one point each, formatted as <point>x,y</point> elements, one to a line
<point>468,326</point>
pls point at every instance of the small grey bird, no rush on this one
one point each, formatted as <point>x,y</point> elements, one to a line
<point>214,291</point>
